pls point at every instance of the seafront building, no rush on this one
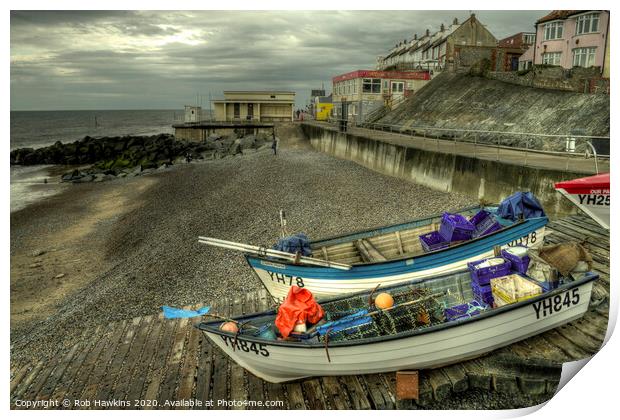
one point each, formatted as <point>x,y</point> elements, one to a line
<point>451,45</point>
<point>571,38</point>
<point>360,92</point>
<point>265,106</point>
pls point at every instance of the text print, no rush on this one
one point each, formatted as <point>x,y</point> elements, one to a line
<point>240,344</point>
<point>526,240</point>
<point>286,279</point>
<point>554,304</point>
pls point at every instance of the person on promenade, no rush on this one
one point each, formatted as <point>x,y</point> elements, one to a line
<point>274,144</point>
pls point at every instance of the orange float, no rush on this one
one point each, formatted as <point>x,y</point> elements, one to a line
<point>384,301</point>
<point>230,327</point>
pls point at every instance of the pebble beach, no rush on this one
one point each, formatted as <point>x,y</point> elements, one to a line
<point>97,253</point>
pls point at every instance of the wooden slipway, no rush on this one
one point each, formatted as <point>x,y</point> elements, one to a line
<point>156,360</point>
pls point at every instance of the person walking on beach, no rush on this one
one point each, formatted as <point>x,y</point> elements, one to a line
<point>274,144</point>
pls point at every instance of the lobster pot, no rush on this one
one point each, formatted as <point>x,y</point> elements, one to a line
<point>514,288</point>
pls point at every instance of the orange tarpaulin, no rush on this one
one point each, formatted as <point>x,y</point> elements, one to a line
<point>299,305</point>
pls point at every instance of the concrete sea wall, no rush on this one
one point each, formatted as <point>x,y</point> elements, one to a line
<point>488,180</point>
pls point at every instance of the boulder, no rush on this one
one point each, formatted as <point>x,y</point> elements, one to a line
<point>85,178</point>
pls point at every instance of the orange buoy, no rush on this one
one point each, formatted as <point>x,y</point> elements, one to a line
<point>230,327</point>
<point>384,301</point>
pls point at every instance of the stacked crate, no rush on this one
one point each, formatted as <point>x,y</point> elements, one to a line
<point>481,277</point>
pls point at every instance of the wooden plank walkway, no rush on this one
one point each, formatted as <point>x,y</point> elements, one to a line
<point>149,362</point>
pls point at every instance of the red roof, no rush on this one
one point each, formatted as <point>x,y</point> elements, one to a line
<point>586,185</point>
<point>415,75</point>
<point>558,14</point>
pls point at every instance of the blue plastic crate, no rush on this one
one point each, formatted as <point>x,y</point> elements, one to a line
<point>455,227</point>
<point>484,223</point>
<point>483,276</point>
<point>433,241</point>
<point>518,264</point>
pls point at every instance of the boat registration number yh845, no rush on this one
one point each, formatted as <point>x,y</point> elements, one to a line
<point>242,345</point>
<point>554,304</point>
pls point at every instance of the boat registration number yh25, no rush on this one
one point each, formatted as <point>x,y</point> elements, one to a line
<point>554,304</point>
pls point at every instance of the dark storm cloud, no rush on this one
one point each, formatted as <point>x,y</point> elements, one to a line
<point>161,59</point>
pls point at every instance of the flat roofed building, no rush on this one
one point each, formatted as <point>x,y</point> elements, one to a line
<point>263,106</point>
<point>365,90</point>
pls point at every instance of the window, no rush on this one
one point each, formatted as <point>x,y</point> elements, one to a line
<point>583,57</point>
<point>553,30</point>
<point>587,23</point>
<point>529,38</point>
<point>371,86</point>
<point>552,58</point>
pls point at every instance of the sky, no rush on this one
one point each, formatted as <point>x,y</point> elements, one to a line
<point>166,59</point>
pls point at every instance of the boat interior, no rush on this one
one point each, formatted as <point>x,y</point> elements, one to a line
<point>417,306</point>
<point>386,244</point>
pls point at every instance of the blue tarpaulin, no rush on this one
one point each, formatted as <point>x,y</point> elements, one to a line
<point>520,204</point>
<point>349,321</point>
<point>294,243</point>
<point>171,313</point>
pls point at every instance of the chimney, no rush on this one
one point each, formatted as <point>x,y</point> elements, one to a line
<point>442,28</point>
<point>415,37</point>
<point>428,33</point>
<point>455,21</point>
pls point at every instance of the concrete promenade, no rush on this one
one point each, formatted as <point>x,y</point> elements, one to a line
<point>521,157</point>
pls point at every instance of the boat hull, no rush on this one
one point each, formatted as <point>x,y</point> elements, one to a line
<point>282,362</point>
<point>278,277</point>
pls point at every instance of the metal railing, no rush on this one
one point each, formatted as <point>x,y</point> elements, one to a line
<point>479,141</point>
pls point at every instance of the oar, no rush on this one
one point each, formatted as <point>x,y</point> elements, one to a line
<point>266,252</point>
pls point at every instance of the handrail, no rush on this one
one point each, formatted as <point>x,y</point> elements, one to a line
<point>496,139</point>
<point>465,130</point>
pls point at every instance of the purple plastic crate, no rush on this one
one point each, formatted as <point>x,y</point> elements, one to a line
<point>455,227</point>
<point>461,311</point>
<point>519,264</point>
<point>483,276</point>
<point>484,223</point>
<point>482,293</point>
<point>433,241</point>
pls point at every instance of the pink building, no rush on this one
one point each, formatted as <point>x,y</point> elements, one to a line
<point>572,38</point>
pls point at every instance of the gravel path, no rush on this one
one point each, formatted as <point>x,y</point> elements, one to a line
<point>148,255</point>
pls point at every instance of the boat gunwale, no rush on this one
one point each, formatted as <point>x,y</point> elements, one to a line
<point>395,225</point>
<point>404,258</point>
<point>209,326</point>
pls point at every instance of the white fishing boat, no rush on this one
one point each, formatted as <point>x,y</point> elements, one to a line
<point>400,338</point>
<point>590,194</point>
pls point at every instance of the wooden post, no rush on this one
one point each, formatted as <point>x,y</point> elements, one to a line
<point>407,385</point>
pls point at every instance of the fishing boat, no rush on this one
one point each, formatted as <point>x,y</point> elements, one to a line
<point>590,194</point>
<point>355,338</point>
<point>387,255</point>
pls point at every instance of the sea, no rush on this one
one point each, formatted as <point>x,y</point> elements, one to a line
<point>35,129</point>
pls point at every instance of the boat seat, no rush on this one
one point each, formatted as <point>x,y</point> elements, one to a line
<point>368,252</point>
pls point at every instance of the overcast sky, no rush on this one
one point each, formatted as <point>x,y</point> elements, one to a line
<point>161,60</point>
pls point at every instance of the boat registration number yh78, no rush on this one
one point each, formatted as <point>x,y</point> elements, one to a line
<point>286,279</point>
<point>526,240</point>
<point>554,304</point>
<point>242,345</point>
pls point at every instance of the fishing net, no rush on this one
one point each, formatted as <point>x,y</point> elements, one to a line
<point>402,317</point>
